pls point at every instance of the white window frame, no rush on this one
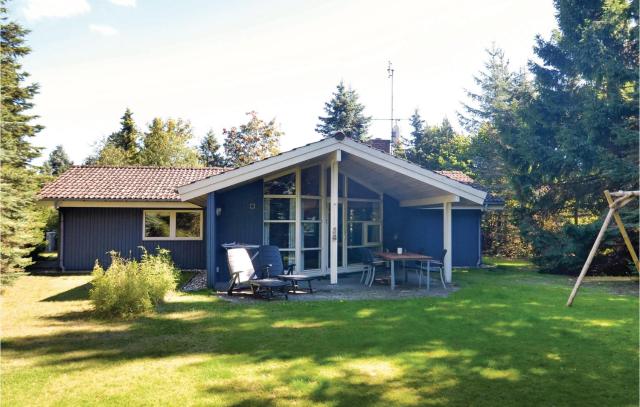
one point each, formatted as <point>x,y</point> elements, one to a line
<point>172,224</point>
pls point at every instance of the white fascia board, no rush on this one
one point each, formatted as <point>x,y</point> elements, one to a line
<point>258,169</point>
<point>126,204</point>
<point>430,201</point>
<point>413,171</point>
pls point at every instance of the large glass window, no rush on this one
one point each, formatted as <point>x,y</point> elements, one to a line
<point>280,215</point>
<point>172,225</point>
<point>364,226</point>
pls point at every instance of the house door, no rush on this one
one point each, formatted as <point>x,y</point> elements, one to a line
<point>327,242</point>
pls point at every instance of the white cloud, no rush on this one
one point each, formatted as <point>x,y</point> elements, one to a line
<point>124,3</point>
<point>103,29</point>
<point>38,9</point>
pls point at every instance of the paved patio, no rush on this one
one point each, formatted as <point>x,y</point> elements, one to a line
<point>350,288</point>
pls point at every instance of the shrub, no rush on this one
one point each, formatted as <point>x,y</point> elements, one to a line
<point>130,287</point>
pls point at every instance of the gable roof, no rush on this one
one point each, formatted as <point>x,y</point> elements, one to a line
<point>324,147</point>
<point>104,183</point>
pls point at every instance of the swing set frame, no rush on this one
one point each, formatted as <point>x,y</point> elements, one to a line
<point>621,199</point>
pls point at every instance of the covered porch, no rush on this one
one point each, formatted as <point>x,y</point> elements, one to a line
<point>324,202</point>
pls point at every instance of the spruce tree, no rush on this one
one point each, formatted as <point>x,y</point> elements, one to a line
<point>209,151</point>
<point>57,163</point>
<point>344,113</point>
<point>127,137</point>
<point>577,135</point>
<point>20,222</point>
<point>253,141</point>
<point>120,148</point>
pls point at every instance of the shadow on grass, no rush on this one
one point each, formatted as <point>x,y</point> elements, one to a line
<point>505,344</point>
<point>78,293</point>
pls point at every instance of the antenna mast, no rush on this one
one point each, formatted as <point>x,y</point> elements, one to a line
<point>390,72</point>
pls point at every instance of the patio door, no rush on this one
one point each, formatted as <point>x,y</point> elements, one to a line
<point>340,231</point>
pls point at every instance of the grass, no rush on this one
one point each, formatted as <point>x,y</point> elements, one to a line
<point>505,338</point>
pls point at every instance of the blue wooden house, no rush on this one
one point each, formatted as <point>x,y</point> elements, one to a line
<point>319,203</point>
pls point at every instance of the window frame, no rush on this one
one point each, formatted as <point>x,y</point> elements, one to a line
<point>172,224</point>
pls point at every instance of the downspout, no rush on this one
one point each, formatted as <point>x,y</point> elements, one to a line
<point>61,240</point>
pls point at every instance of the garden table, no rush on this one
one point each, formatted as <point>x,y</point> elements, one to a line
<point>392,257</point>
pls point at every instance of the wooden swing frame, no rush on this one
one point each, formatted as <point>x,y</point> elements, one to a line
<point>621,199</point>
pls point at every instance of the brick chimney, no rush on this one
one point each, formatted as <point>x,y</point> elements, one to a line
<point>381,144</point>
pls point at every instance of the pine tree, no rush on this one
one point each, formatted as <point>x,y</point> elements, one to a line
<point>499,90</point>
<point>120,148</point>
<point>209,151</point>
<point>253,141</point>
<point>127,137</point>
<point>344,113</point>
<point>57,163</point>
<point>578,132</point>
<point>166,144</point>
<point>20,222</point>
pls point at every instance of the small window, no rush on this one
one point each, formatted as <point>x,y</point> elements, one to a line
<point>310,181</point>
<point>187,224</point>
<point>157,224</point>
<point>373,233</point>
<point>285,185</point>
<point>172,225</point>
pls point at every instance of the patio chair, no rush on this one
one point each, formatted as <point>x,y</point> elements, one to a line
<point>270,261</point>
<point>243,274</point>
<point>437,263</point>
<point>370,265</point>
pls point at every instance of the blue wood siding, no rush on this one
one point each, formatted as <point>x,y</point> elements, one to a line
<point>240,220</point>
<point>421,230</point>
<point>89,233</point>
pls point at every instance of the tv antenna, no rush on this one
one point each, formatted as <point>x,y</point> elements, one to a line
<point>390,72</point>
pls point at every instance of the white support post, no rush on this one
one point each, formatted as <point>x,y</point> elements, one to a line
<point>324,222</point>
<point>446,239</point>
<point>298,224</point>
<point>333,227</point>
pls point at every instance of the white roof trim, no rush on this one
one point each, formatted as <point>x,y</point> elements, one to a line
<point>257,169</point>
<point>414,171</point>
<point>314,150</point>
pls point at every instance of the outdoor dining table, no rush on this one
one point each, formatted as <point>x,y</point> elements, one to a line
<point>392,257</point>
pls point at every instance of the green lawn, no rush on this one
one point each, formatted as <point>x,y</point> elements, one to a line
<point>505,338</point>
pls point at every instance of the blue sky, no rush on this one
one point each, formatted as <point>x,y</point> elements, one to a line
<point>212,61</point>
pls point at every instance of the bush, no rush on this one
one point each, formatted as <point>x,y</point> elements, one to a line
<point>130,287</point>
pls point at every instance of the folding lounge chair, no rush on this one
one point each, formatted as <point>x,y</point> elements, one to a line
<point>243,274</point>
<point>270,260</point>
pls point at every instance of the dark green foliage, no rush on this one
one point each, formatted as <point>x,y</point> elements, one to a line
<point>209,151</point>
<point>437,147</point>
<point>572,133</point>
<point>344,113</point>
<point>20,222</point>
<point>253,141</point>
<point>57,163</point>
<point>581,130</point>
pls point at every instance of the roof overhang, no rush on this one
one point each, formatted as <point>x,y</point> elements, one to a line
<point>66,203</point>
<point>361,162</point>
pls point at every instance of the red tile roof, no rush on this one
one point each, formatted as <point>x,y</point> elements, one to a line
<point>457,176</point>
<point>123,183</point>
